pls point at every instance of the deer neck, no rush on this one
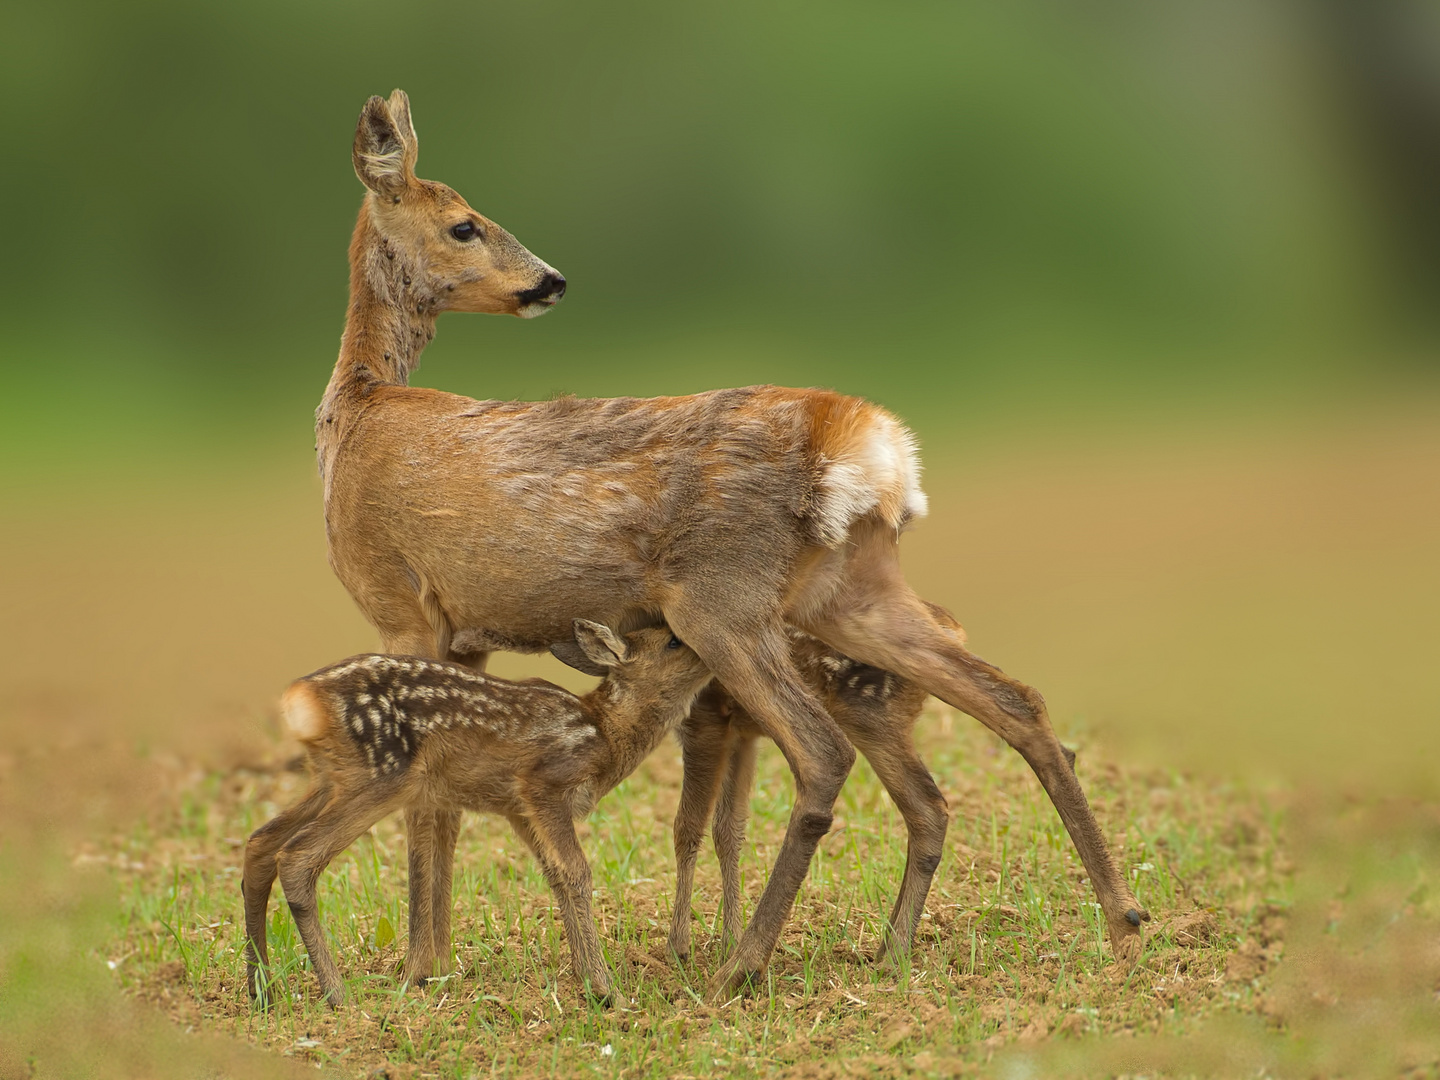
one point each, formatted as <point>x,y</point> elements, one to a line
<point>390,320</point>
<point>632,729</point>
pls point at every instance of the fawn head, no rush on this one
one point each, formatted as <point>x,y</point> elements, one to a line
<point>651,664</point>
<point>462,259</point>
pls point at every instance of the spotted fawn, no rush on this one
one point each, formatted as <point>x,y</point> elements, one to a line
<point>398,732</point>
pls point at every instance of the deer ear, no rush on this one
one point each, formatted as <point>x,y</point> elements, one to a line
<point>400,109</point>
<point>379,154</point>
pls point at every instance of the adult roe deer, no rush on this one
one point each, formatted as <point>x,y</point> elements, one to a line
<point>384,732</point>
<point>463,526</point>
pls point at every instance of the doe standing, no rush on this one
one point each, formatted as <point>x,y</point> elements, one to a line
<point>463,526</point>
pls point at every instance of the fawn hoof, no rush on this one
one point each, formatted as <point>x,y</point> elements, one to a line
<point>892,957</point>
<point>679,946</point>
<point>599,992</point>
<point>733,979</point>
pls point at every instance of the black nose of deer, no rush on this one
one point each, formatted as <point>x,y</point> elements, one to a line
<point>549,291</point>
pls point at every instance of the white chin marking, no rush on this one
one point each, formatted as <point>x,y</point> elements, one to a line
<point>534,308</point>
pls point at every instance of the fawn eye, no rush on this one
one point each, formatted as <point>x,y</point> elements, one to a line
<point>465,231</point>
<point>674,642</point>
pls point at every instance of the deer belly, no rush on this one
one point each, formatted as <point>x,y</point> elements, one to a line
<point>524,600</point>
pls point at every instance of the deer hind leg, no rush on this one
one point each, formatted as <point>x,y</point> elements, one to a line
<point>753,661</point>
<point>258,877</point>
<point>306,854</point>
<point>549,832</point>
<point>880,621</point>
<point>732,813</point>
<point>705,745</point>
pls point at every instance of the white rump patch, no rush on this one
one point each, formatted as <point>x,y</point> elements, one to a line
<point>877,472</point>
<point>305,715</point>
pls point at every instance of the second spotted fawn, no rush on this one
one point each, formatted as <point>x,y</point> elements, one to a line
<point>390,732</point>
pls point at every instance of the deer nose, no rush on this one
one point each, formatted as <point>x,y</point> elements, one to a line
<point>551,289</point>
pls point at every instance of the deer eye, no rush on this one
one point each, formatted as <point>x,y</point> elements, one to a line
<point>674,643</point>
<point>465,231</point>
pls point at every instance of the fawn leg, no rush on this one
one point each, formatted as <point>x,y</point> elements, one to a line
<point>420,840</point>
<point>442,869</point>
<point>442,872</point>
<point>705,741</point>
<point>732,811</point>
<point>757,669</point>
<point>306,854</point>
<point>549,832</point>
<point>926,815</point>
<point>431,833</point>
<point>878,620</point>
<point>258,875</point>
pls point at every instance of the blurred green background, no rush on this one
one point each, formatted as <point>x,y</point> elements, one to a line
<point>966,211</point>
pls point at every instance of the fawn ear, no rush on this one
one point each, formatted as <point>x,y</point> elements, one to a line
<point>599,643</point>
<point>570,654</point>
<point>382,160</point>
<point>594,650</point>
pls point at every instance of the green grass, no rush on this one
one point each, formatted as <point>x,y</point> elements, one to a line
<point>1011,946</point>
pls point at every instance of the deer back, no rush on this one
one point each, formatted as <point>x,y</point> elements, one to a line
<point>521,516</point>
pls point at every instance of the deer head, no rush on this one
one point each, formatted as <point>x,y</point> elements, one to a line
<point>460,260</point>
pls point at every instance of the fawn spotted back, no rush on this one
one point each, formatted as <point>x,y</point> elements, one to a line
<point>386,706</point>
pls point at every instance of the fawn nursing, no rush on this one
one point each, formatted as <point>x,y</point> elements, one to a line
<point>386,732</point>
<point>463,526</point>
